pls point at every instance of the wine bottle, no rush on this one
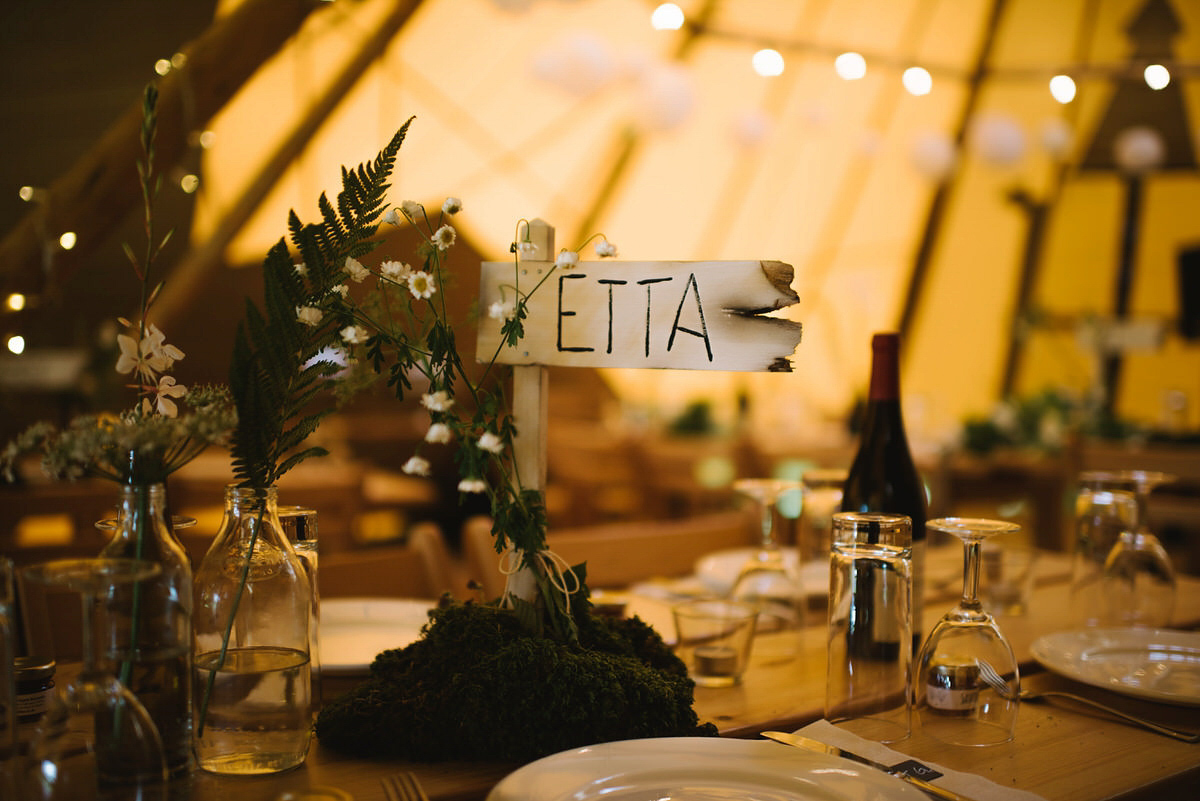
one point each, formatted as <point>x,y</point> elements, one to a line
<point>883,477</point>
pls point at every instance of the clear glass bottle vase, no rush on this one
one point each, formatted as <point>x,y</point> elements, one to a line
<point>252,610</point>
<point>143,632</point>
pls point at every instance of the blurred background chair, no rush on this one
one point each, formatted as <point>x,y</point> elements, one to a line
<point>620,554</point>
<point>418,568</point>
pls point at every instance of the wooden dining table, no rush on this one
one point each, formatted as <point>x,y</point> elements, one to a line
<point>1061,751</point>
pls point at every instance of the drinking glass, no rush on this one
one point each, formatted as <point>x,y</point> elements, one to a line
<point>300,527</point>
<point>822,497</point>
<point>96,740</point>
<point>769,580</point>
<point>967,677</point>
<point>1138,578</point>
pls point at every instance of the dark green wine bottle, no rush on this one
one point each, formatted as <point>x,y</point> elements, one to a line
<point>884,478</point>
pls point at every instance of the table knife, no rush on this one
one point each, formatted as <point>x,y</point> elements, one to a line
<point>809,744</point>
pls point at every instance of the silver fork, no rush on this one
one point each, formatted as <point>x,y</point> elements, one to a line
<point>1002,688</point>
<point>403,787</point>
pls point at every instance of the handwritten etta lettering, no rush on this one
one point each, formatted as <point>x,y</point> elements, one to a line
<point>681,315</point>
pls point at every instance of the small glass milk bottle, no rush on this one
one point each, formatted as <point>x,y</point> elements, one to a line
<point>252,609</point>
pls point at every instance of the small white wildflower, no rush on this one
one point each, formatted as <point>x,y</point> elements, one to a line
<point>421,285</point>
<point>395,270</point>
<point>392,217</point>
<point>309,315</point>
<point>444,237</point>
<point>340,289</point>
<point>472,485</point>
<point>567,258</point>
<point>167,389</point>
<point>355,269</point>
<point>605,249</point>
<point>439,401</point>
<point>527,248</point>
<point>416,466</point>
<point>301,269</point>
<point>354,334</point>
<point>438,434</point>
<point>491,442</point>
<point>412,209</point>
<point>501,310</point>
<point>452,205</point>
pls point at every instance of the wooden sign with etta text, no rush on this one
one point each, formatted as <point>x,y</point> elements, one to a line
<point>702,315</point>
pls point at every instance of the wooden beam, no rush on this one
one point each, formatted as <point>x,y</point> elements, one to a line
<point>190,271</point>
<point>101,187</point>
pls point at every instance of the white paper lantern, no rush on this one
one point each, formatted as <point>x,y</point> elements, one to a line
<point>998,139</point>
<point>933,155</point>
<point>1138,149</point>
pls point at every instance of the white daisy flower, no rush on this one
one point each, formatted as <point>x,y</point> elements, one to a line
<point>491,442</point>
<point>412,209</point>
<point>392,217</point>
<point>472,485</point>
<point>301,269</point>
<point>452,205</point>
<point>395,270</point>
<point>501,310</point>
<point>421,285</point>
<point>444,237</point>
<point>567,258</point>
<point>416,466</point>
<point>438,434</point>
<point>309,315</point>
<point>340,289</point>
<point>354,334</point>
<point>355,269</point>
<point>605,249</point>
<point>439,401</point>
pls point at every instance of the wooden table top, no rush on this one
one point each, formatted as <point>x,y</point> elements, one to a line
<point>1060,752</point>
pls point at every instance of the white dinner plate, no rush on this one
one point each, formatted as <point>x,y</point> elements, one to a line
<point>1155,664</point>
<point>698,769</point>
<point>718,570</point>
<point>355,630</point>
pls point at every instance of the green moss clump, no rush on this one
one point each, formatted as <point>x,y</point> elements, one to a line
<point>479,686</point>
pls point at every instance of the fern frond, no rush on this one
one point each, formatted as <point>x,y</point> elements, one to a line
<point>273,378</point>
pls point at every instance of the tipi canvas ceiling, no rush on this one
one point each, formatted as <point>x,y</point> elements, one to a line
<point>894,208</point>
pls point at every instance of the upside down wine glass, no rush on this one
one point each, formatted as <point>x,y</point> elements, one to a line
<point>96,741</point>
<point>1137,579</point>
<point>967,681</point>
<point>769,580</point>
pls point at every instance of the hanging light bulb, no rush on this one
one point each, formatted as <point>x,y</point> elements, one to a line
<point>16,344</point>
<point>667,17</point>
<point>67,240</point>
<point>768,63</point>
<point>189,183</point>
<point>1062,88</point>
<point>850,66</point>
<point>15,302</point>
<point>1157,76</point>
<point>917,81</point>
<point>162,66</point>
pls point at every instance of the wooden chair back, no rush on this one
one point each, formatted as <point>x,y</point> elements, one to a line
<point>415,569</point>
<point>620,554</point>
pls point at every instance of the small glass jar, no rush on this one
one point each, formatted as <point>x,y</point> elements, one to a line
<point>35,686</point>
<point>953,688</point>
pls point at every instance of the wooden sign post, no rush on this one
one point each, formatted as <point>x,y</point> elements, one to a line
<point>701,315</point>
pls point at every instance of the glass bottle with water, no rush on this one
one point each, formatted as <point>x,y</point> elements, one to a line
<point>251,622</point>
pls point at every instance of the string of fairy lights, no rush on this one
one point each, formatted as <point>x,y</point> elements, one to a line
<point>767,59</point>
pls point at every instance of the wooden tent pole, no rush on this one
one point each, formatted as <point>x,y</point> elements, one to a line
<point>941,196</point>
<point>101,187</point>
<point>191,269</point>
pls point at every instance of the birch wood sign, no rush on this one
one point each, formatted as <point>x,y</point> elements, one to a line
<point>698,315</point>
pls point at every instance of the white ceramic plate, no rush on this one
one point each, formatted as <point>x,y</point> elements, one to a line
<point>698,769</point>
<point>718,571</point>
<point>355,630</point>
<point>1156,664</point>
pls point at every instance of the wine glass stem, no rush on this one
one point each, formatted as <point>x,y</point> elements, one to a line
<point>768,524</point>
<point>971,560</point>
<point>88,636</point>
